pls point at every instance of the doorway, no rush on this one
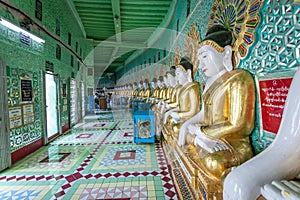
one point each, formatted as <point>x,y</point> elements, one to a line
<point>73,102</point>
<point>5,157</point>
<point>52,106</point>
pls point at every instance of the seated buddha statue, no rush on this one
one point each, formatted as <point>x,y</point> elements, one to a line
<point>162,89</point>
<point>135,90</point>
<point>173,104</point>
<point>217,138</point>
<point>154,92</point>
<point>129,94</point>
<point>188,102</point>
<point>166,93</point>
<point>161,83</point>
<point>272,172</point>
<point>160,105</point>
<point>174,86</point>
<point>159,93</point>
<point>130,89</point>
<point>141,90</point>
<point>147,91</point>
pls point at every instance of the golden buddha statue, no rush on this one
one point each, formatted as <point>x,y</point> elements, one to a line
<point>188,99</point>
<point>158,93</point>
<point>170,102</point>
<point>135,90</point>
<point>154,92</point>
<point>161,104</point>
<point>217,138</point>
<point>141,90</point>
<point>165,94</point>
<point>130,90</point>
<point>147,91</point>
<point>163,89</point>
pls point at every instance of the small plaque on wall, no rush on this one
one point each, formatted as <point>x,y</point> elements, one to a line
<point>26,90</point>
<point>28,114</point>
<point>15,122</point>
<point>15,117</point>
<point>27,109</point>
<point>27,119</point>
<point>15,112</point>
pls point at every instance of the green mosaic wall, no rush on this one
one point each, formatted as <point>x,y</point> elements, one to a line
<point>276,52</point>
<point>29,133</point>
<point>30,60</point>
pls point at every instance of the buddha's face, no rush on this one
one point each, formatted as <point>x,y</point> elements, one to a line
<point>171,79</point>
<point>166,81</point>
<point>159,83</point>
<point>210,61</point>
<point>180,76</point>
<point>140,85</point>
<point>153,85</point>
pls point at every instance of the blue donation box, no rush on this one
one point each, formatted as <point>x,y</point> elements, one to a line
<point>143,106</point>
<point>143,126</point>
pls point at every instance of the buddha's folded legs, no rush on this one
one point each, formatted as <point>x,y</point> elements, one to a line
<point>212,164</point>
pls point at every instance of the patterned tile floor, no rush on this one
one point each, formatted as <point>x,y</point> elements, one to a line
<point>97,159</point>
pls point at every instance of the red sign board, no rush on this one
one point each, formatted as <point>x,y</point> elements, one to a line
<point>273,94</point>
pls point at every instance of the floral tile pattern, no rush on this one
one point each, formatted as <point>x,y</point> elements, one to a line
<point>97,159</point>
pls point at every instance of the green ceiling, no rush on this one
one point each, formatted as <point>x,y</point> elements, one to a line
<point>117,28</point>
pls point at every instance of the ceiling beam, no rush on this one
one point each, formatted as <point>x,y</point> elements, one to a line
<point>117,18</point>
<point>96,16</point>
<point>99,23</point>
<point>126,17</point>
<point>165,2</point>
<point>118,44</point>
<point>117,21</point>
<point>146,8</point>
<point>144,13</point>
<point>93,5</point>
<point>100,28</point>
<point>141,21</point>
<point>87,10</point>
<point>76,16</point>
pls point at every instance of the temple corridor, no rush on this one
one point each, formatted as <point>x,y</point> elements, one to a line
<point>96,159</point>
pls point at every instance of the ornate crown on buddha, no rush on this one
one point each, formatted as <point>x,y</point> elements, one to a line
<point>217,37</point>
<point>185,64</point>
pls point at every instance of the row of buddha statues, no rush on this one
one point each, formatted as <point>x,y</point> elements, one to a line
<point>210,126</point>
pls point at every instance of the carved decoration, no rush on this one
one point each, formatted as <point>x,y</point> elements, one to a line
<point>177,55</point>
<point>242,19</point>
<point>162,69</point>
<point>191,46</point>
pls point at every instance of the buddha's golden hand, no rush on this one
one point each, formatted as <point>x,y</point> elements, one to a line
<point>208,144</point>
